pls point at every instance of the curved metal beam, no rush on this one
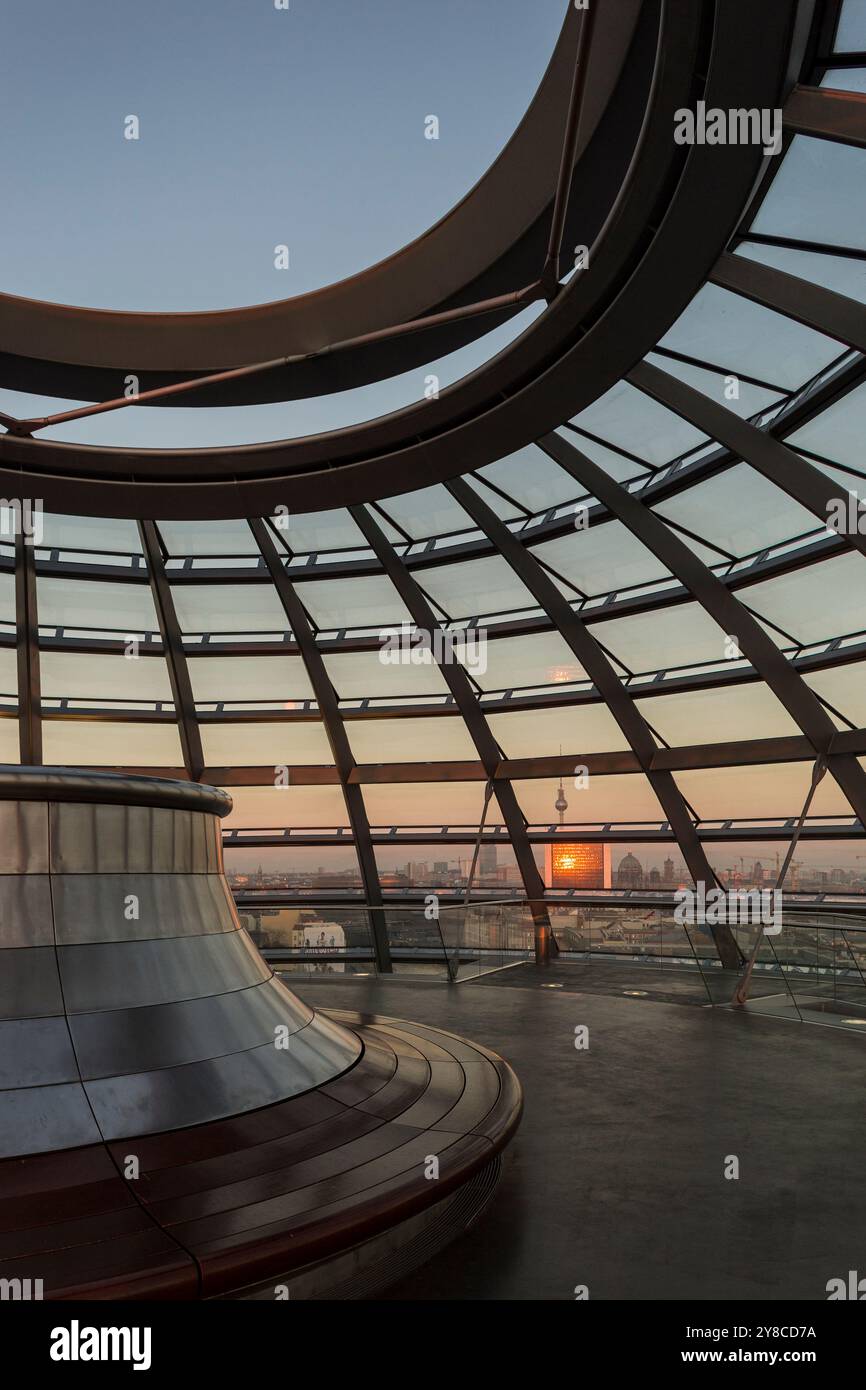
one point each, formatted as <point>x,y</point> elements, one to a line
<point>341,751</point>
<point>732,617</point>
<point>616,697</point>
<point>833,314</point>
<point>655,251</point>
<point>813,489</point>
<point>492,241</point>
<point>792,748</point>
<point>27,631</point>
<point>479,730</point>
<point>175,656</point>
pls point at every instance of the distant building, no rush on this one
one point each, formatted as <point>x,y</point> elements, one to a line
<point>668,875</point>
<point>487,862</point>
<point>629,873</point>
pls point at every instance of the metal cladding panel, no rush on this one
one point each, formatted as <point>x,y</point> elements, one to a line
<point>197,841</point>
<point>177,1097</point>
<point>170,1035</point>
<point>35,1052</point>
<point>41,1118</point>
<point>29,983</point>
<point>95,907</point>
<point>131,999</point>
<point>130,974</point>
<point>25,911</point>
<point>23,837</point>
<point>324,1041</point>
<point>92,838</point>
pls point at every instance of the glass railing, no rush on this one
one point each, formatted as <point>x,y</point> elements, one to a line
<point>448,941</point>
<point>480,937</point>
<point>814,969</point>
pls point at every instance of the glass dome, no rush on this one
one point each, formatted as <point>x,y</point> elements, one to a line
<point>653,611</point>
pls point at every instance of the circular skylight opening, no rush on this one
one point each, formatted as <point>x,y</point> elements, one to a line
<point>184,158</point>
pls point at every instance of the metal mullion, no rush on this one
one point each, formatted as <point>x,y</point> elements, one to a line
<point>832,314</point>
<point>29,681</point>
<point>826,113</point>
<point>488,750</point>
<point>338,739</point>
<point>617,697</point>
<point>775,670</point>
<point>175,656</point>
<point>814,490</point>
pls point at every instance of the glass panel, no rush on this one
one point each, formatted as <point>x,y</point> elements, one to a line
<point>7,598</point>
<point>851,34</point>
<point>323,940</point>
<point>436,740</point>
<point>265,745</point>
<point>741,397</point>
<point>429,803</point>
<point>363,675</point>
<point>628,797</point>
<point>846,79</point>
<point>247,608</point>
<point>838,432</point>
<point>9,672</point>
<point>844,687</point>
<point>819,866</point>
<point>616,465</point>
<point>839,273</point>
<point>638,865</point>
<point>533,479</point>
<point>506,510</point>
<point>93,533</point>
<point>777,789</point>
<point>602,559</point>
<point>90,604</point>
<point>91,743</point>
<point>9,745</point>
<point>348,603</point>
<point>431,511</point>
<point>74,675</point>
<point>681,635</point>
<point>819,193</point>
<point>292,866</point>
<point>312,531</point>
<point>268,808</point>
<point>542,658</point>
<point>207,538</point>
<point>729,331</point>
<point>574,729</point>
<point>626,417</point>
<point>447,866</point>
<point>718,716</point>
<point>475,588</point>
<point>739,510</point>
<point>820,601</point>
<point>249,678</point>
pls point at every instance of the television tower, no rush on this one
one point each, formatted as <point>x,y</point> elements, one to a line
<point>561,804</point>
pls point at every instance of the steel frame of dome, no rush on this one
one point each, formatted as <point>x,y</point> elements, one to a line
<point>652,252</point>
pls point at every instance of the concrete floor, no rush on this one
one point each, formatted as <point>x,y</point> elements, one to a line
<point>616,1177</point>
